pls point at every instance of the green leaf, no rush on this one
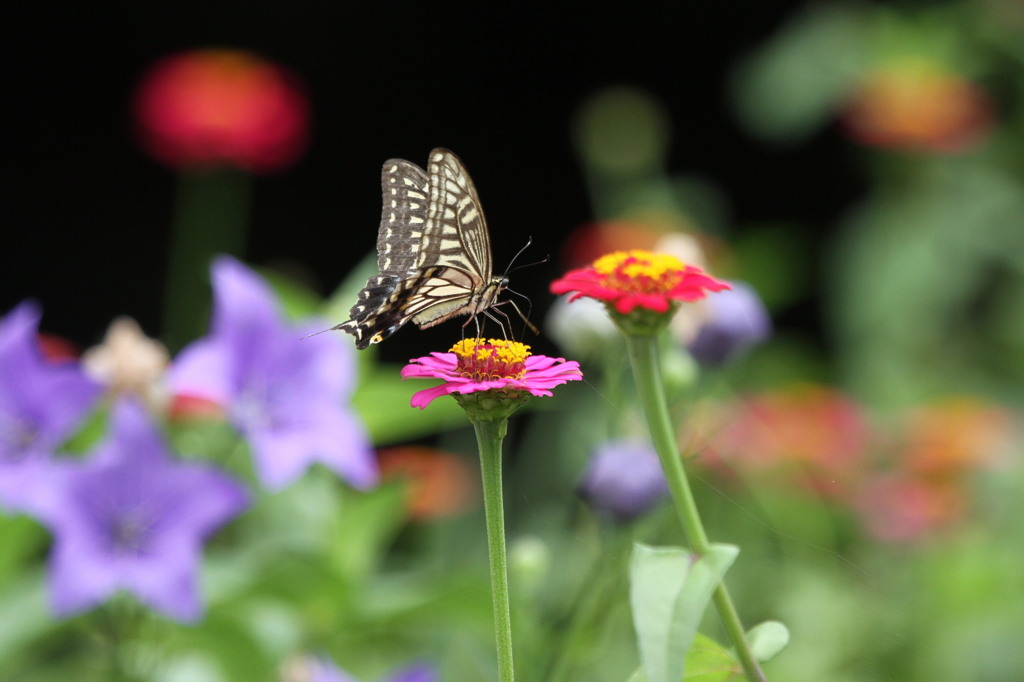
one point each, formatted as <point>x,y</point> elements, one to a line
<point>709,661</point>
<point>297,300</point>
<point>638,675</point>
<point>706,661</point>
<point>768,639</point>
<point>793,84</point>
<point>383,403</point>
<point>669,589</point>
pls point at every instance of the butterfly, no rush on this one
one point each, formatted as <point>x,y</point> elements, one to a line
<point>433,252</point>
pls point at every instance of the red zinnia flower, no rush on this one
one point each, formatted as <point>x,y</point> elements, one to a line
<point>212,107</point>
<point>503,367</point>
<point>632,279</point>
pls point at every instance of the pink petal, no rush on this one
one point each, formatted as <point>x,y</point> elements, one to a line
<point>423,398</point>
<point>540,362</point>
<point>438,365</point>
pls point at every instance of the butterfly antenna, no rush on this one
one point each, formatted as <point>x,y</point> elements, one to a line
<point>545,259</point>
<point>322,331</point>
<point>510,269</point>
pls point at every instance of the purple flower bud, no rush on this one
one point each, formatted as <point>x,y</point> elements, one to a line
<point>737,322</point>
<point>308,668</point>
<point>623,480</point>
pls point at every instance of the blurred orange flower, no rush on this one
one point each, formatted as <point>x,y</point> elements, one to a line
<point>440,483</point>
<point>214,107</point>
<point>954,436</point>
<point>927,488</point>
<point>916,104</point>
<point>813,433</point>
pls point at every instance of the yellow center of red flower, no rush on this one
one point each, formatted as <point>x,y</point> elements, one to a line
<point>639,271</point>
<point>484,359</point>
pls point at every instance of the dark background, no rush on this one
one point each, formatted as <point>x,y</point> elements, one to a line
<point>87,215</point>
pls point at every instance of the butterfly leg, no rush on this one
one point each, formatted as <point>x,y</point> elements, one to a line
<point>504,333</point>
<point>520,313</point>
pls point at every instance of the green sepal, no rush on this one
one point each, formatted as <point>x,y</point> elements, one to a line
<point>496,404</point>
<point>640,321</point>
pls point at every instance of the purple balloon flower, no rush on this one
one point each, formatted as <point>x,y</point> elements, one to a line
<point>737,321</point>
<point>623,480</point>
<point>287,395</point>
<point>132,518</point>
<point>323,669</point>
<point>41,405</point>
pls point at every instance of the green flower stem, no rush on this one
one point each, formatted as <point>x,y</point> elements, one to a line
<point>489,435</point>
<point>210,218</point>
<point>643,352</point>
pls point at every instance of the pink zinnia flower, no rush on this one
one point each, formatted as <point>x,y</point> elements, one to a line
<point>504,367</point>
<point>636,278</point>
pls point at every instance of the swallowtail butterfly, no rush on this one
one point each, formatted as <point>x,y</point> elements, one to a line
<point>433,252</point>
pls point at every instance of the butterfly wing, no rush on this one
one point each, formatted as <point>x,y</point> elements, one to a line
<point>433,250</point>
<point>456,233</point>
<point>405,189</point>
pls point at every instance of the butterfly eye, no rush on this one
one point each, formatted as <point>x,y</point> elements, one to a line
<point>503,284</point>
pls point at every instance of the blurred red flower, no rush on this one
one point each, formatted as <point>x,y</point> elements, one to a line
<point>57,349</point>
<point>898,508</point>
<point>914,104</point>
<point>440,483</point>
<point>214,107</point>
<point>188,407</point>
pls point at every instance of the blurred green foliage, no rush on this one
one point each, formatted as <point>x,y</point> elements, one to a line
<point>923,292</point>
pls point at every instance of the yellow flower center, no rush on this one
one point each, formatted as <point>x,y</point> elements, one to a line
<point>639,271</point>
<point>484,359</point>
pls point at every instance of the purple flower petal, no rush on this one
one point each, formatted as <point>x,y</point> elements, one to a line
<point>132,518</point>
<point>419,672</point>
<point>201,370</point>
<point>242,299</point>
<point>336,440</point>
<point>323,669</point>
<point>41,405</point>
<point>285,394</point>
